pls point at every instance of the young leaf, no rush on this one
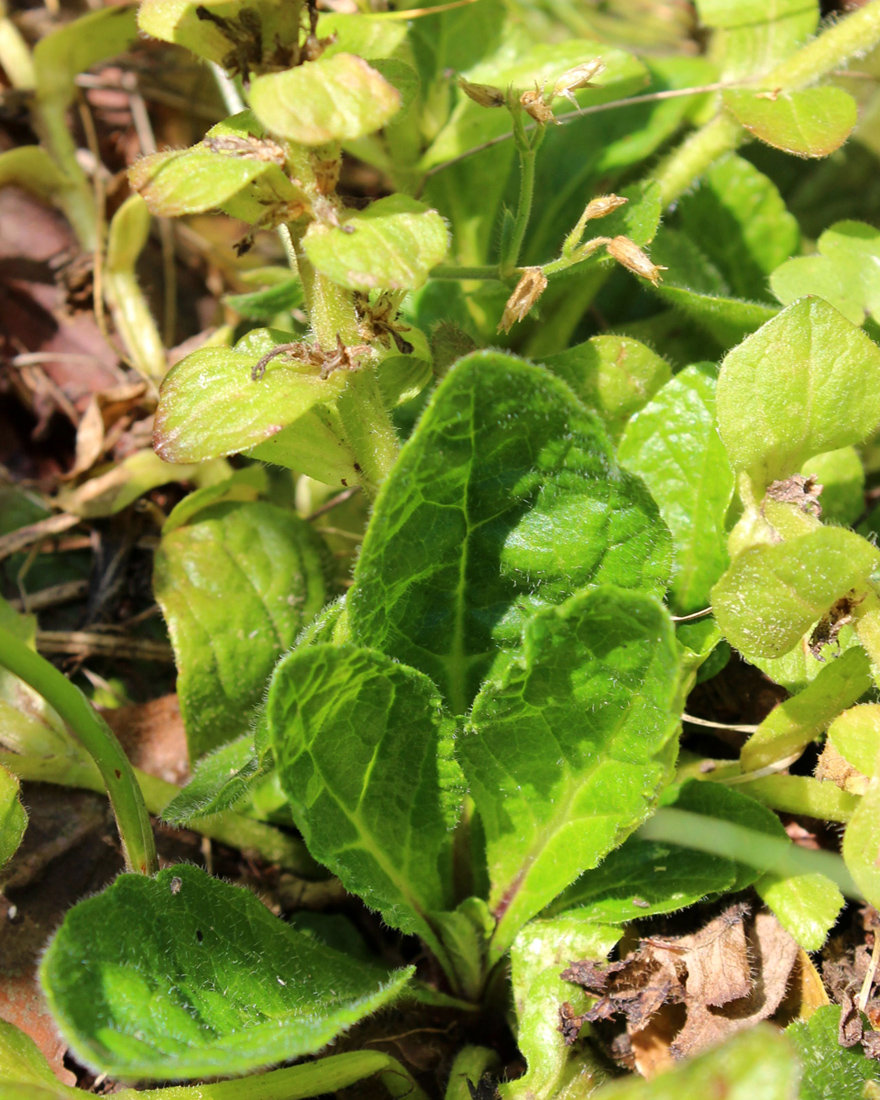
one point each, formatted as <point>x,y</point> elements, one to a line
<point>855,734</point>
<point>740,222</point>
<point>221,780</point>
<point>564,753</point>
<point>812,122</point>
<point>221,986</point>
<point>335,98</point>
<point>236,586</point>
<point>13,819</point>
<point>674,446</point>
<point>861,844</point>
<point>842,477</point>
<point>791,725</point>
<point>346,725</point>
<point>393,244</point>
<point>843,271</point>
<point>209,404</point>
<point>830,1071</point>
<point>504,500</point>
<point>614,375</point>
<point>806,906</point>
<point>773,593</point>
<point>805,383</point>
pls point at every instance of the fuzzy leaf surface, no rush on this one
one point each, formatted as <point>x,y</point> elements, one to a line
<point>773,593</point>
<point>335,98</point>
<point>565,752</point>
<point>359,744</point>
<point>855,734</point>
<point>806,906</point>
<point>674,446</point>
<point>184,22</point>
<point>861,844</point>
<point>505,499</point>
<point>221,985</point>
<point>393,244</point>
<point>236,586</point>
<point>221,779</point>
<point>13,819</point>
<point>812,122</point>
<point>209,405</point>
<point>830,1071</point>
<point>806,382</point>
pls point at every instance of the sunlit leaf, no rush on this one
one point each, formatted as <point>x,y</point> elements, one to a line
<point>812,122</point>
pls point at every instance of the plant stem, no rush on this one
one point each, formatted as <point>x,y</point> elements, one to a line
<point>528,151</point>
<point>696,154</point>
<point>456,271</point>
<point>100,743</point>
<point>854,35</point>
<point>368,428</point>
<point>469,1066</point>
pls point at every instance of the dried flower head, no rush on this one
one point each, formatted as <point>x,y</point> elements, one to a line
<point>487,95</point>
<point>632,257</point>
<point>528,290</point>
<point>535,104</point>
<point>598,208</point>
<point>581,76</point>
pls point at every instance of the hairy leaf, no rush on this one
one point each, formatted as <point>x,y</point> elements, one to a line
<point>393,244</point>
<point>360,743</point>
<point>236,586</point>
<point>806,382</point>
<point>13,819</point>
<point>565,752</point>
<point>807,906</point>
<point>23,1066</point>
<point>855,734</point>
<point>505,499</point>
<point>221,780</point>
<point>221,986</point>
<point>812,122</point>
<point>674,446</point>
<point>830,1071</point>
<point>861,844</point>
<point>842,477</point>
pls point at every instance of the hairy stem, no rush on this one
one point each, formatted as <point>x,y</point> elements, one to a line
<point>100,743</point>
<point>528,152</point>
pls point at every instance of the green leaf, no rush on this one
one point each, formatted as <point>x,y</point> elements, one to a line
<point>221,780</point>
<point>697,288</point>
<point>773,593</point>
<point>393,244</point>
<point>236,586</point>
<point>564,752</point>
<point>861,844</point>
<point>23,1065</point>
<point>843,271</point>
<point>314,445</point>
<point>13,819</point>
<point>752,37</point>
<point>347,725</point>
<point>740,222</point>
<point>812,122</point>
<point>856,736</point>
<point>209,404</point>
<point>791,725</point>
<point>31,167</point>
<point>805,383</point>
<point>674,446</point>
<point>758,1064</point>
<point>807,906</point>
<point>335,98</point>
<point>74,48</point>
<point>613,375</point>
<point>504,500</point>
<point>267,303</point>
<point>247,484</point>
<point>365,34</point>
<point>538,956</point>
<point>842,477</point>
<point>830,1071</point>
<point>221,986</point>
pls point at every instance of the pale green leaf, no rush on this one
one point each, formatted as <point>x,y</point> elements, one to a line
<point>22,1065</point>
<point>845,271</point>
<point>221,986</point>
<point>220,781</point>
<point>565,752</point>
<point>842,477</point>
<point>247,484</point>
<point>773,593</point>
<point>335,98</point>
<point>76,46</point>
<point>812,122</point>
<point>805,383</point>
<point>347,726</point>
<point>807,906</point>
<point>210,405</point>
<point>504,500</point>
<point>236,586</point>
<point>674,446</point>
<point>13,819</point>
<point>614,375</point>
<point>393,244</point>
<point>861,845</point>
<point>753,36</point>
<point>855,734</point>
<point>791,725</point>
<point>31,167</point>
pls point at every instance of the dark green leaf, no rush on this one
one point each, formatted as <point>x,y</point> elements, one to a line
<point>830,1071</point>
<point>221,986</point>
<point>565,752</point>
<point>506,499</point>
<point>812,122</point>
<point>236,586</point>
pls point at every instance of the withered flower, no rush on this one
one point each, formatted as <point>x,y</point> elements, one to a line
<point>485,94</point>
<point>632,257</point>
<point>535,104</point>
<point>580,76</point>
<point>598,208</point>
<point>528,290</point>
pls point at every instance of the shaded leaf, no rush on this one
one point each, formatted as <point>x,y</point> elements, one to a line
<point>504,500</point>
<point>221,987</point>
<point>564,752</point>
<point>267,303</point>
<point>861,844</point>
<point>393,244</point>
<point>335,98</point>
<point>221,780</point>
<point>236,586</point>
<point>812,122</point>
<point>31,167</point>
<point>13,819</point>
<point>74,48</point>
<point>22,1065</point>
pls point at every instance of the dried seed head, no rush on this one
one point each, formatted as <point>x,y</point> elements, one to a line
<point>598,208</point>
<point>632,257</point>
<point>535,104</point>
<point>580,76</point>
<point>528,290</point>
<point>485,94</point>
